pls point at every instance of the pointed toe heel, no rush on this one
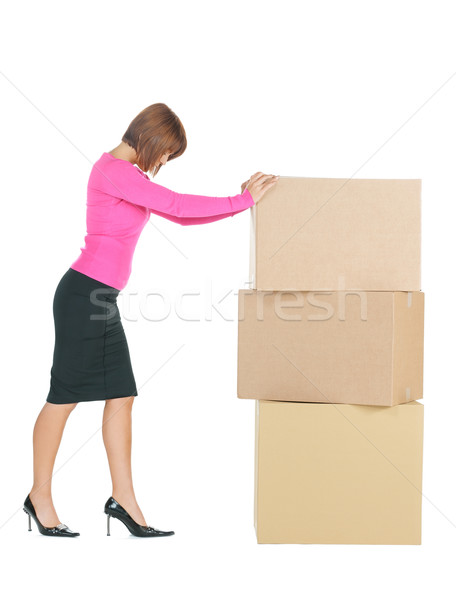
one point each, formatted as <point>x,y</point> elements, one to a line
<point>113,509</point>
<point>60,530</point>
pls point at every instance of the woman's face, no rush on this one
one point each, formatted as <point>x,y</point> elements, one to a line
<point>164,158</point>
<point>162,161</point>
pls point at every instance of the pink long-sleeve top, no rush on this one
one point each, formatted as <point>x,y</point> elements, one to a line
<point>120,200</point>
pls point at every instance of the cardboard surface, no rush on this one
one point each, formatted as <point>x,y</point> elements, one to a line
<point>334,347</point>
<point>338,474</point>
<point>337,234</point>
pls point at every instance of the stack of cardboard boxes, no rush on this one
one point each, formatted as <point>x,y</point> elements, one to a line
<point>330,346</point>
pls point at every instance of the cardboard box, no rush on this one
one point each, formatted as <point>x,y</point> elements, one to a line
<point>338,474</point>
<point>337,234</point>
<point>337,347</point>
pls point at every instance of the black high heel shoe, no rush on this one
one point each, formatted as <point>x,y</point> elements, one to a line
<point>60,530</point>
<point>113,509</point>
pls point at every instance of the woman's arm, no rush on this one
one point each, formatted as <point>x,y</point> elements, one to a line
<point>127,182</point>
<point>194,220</point>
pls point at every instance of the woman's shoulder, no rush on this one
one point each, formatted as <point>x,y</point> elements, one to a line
<point>114,176</point>
<point>141,172</point>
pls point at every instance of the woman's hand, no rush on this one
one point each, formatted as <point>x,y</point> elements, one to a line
<point>258,184</point>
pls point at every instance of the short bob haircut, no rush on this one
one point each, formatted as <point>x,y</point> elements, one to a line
<point>155,131</point>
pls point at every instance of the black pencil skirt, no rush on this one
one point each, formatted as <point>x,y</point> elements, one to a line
<point>91,357</point>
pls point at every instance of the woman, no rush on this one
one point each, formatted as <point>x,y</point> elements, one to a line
<point>91,358</point>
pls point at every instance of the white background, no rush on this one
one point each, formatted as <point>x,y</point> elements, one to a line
<point>318,89</point>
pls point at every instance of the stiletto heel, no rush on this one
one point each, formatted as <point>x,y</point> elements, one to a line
<point>113,509</point>
<point>60,530</point>
<point>29,520</point>
<point>109,532</point>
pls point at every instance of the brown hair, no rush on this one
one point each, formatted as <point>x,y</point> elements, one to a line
<point>155,131</point>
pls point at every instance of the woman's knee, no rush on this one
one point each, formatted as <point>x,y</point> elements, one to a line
<point>67,408</point>
<point>119,402</point>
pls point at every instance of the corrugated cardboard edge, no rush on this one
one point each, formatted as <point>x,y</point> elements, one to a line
<point>420,220</point>
<point>238,343</point>
<point>408,346</point>
<point>253,246</point>
<point>420,404</point>
<point>255,491</point>
<point>420,407</point>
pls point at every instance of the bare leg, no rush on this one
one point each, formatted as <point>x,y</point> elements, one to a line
<point>117,436</point>
<point>47,435</point>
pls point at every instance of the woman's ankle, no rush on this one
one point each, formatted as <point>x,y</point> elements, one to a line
<point>124,496</point>
<point>40,493</point>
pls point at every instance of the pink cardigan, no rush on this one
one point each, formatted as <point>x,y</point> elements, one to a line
<point>120,200</point>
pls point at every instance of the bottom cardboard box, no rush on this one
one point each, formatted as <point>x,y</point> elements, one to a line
<point>338,473</point>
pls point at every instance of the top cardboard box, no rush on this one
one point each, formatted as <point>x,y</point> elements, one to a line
<point>337,234</point>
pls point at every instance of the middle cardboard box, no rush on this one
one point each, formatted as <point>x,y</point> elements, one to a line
<point>352,347</point>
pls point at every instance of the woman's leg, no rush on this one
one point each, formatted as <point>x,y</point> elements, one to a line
<point>47,435</point>
<point>117,436</point>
